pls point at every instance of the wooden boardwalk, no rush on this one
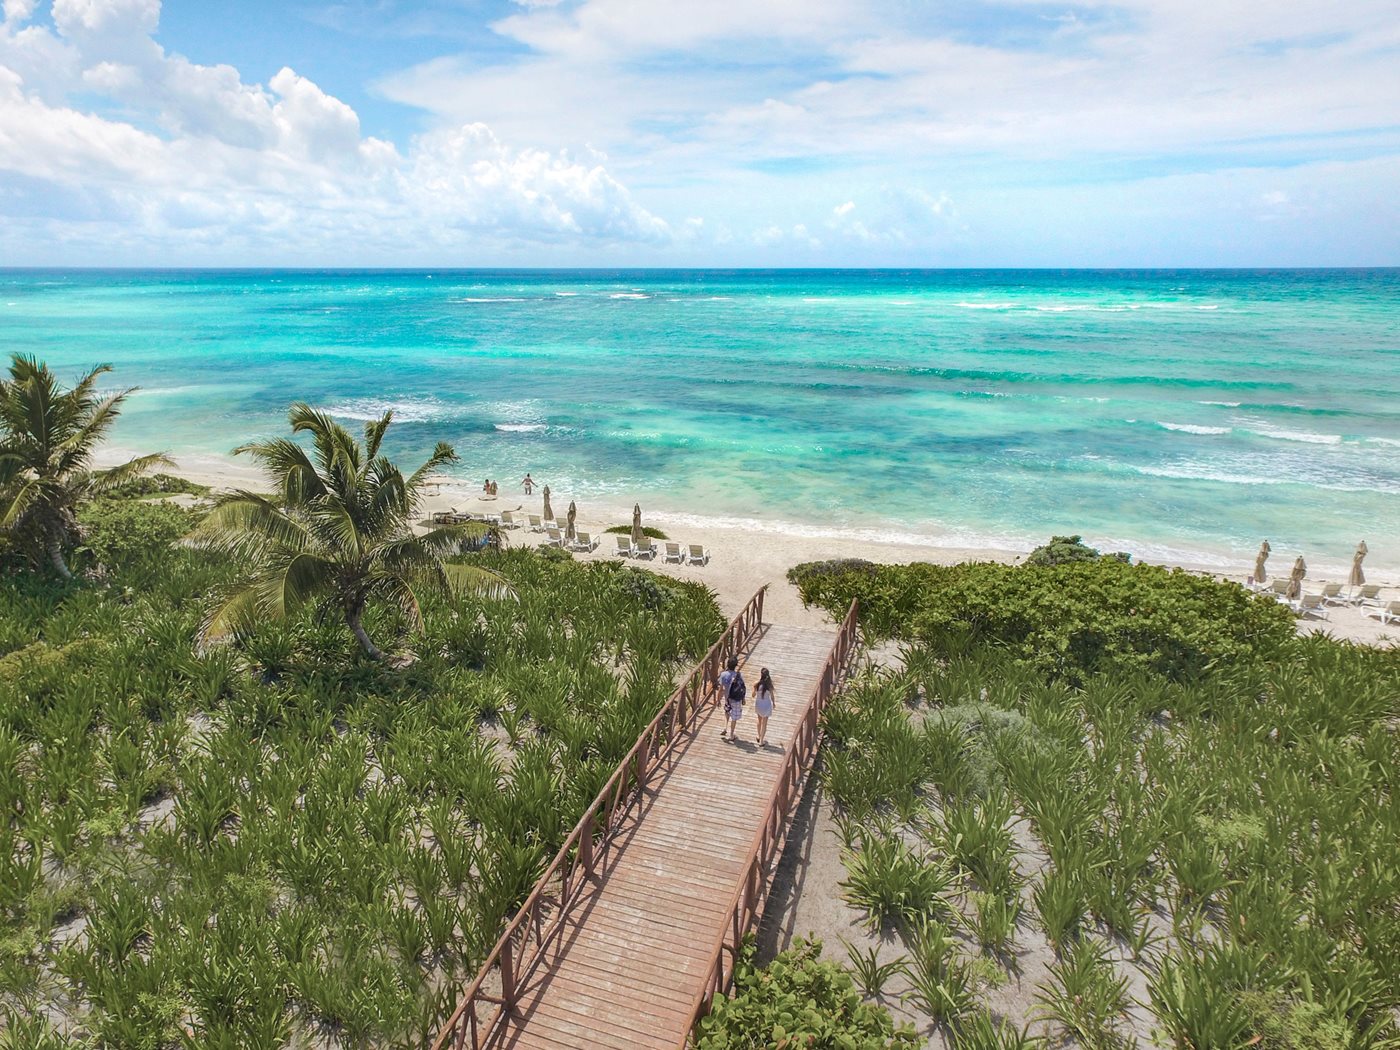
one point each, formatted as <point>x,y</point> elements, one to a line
<point>634,954</point>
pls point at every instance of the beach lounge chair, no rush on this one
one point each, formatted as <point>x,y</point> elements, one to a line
<point>624,545</point>
<point>646,550</point>
<point>699,555</point>
<point>1366,594</point>
<point>1387,613</point>
<point>583,541</point>
<point>444,517</point>
<point>536,525</point>
<point>509,520</point>
<point>1311,605</point>
<point>673,553</point>
<point>553,538</point>
<point>1332,594</point>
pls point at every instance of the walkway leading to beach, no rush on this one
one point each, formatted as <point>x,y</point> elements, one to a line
<point>635,956</point>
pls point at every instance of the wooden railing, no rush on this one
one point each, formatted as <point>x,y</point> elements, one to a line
<point>478,1020</point>
<point>768,842</point>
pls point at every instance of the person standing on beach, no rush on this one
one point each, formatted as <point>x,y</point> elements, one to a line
<point>529,483</point>
<point>763,704</point>
<point>731,693</point>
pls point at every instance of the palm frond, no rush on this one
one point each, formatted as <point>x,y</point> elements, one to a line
<point>244,524</point>
<point>104,481</point>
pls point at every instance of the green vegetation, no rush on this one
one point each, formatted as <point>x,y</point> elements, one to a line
<point>1064,549</point>
<point>1200,795</point>
<point>798,1001</point>
<point>278,840</point>
<point>647,530</point>
<point>1066,620</point>
<point>337,532</point>
<point>47,440</point>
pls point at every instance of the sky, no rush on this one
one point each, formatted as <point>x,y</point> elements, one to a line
<point>699,133</point>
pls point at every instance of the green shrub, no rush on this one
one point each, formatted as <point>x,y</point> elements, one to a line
<point>116,532</point>
<point>797,1000</point>
<point>647,530</point>
<point>1067,620</point>
<point>157,485</point>
<point>1064,549</point>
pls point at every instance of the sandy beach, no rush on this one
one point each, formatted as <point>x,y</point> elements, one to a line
<point>743,558</point>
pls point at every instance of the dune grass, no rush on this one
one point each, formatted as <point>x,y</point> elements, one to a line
<point>248,845</point>
<point>1228,831</point>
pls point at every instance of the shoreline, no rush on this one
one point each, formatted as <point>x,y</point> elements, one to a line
<point>746,553</point>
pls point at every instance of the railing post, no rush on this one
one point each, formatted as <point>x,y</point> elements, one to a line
<point>585,843</point>
<point>508,977</point>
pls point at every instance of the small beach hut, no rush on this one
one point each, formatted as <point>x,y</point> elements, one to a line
<point>548,510</point>
<point>1357,577</point>
<point>638,536</point>
<point>1261,572</point>
<point>1295,579</point>
<point>569,534</point>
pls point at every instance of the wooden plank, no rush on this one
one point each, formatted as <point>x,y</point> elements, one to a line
<point>633,953</point>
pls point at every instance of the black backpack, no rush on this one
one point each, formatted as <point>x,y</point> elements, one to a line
<point>737,689</point>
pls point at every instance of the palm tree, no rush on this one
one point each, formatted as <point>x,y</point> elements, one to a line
<point>338,531</point>
<point>47,440</point>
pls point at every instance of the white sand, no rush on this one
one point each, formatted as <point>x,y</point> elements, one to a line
<point>744,556</point>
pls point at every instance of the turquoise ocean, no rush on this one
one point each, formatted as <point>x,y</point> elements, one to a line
<point>1174,414</point>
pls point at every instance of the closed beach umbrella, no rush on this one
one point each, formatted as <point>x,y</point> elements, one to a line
<point>1260,572</point>
<point>1295,579</point>
<point>573,514</point>
<point>548,510</point>
<point>1357,577</point>
<point>637,534</point>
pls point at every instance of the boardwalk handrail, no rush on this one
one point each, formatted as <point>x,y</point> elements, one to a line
<point>768,840</point>
<point>477,1020</point>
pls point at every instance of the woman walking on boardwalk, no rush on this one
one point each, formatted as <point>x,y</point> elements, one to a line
<point>763,704</point>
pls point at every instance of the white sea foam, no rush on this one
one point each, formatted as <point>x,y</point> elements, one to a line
<point>1223,404</point>
<point>1383,441</point>
<point>406,410</point>
<point>566,295</point>
<point>1193,428</point>
<point>1211,307</point>
<point>629,295</point>
<point>1297,435</point>
<point>985,306</point>
<point>819,299</point>
<point>519,428</point>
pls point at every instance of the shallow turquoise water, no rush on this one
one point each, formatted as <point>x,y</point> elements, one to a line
<point>1181,413</point>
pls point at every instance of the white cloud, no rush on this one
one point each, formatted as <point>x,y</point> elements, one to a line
<point>285,165</point>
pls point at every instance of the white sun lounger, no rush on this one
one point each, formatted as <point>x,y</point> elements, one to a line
<point>583,541</point>
<point>1332,594</point>
<point>699,555</point>
<point>624,546</point>
<point>553,538</point>
<point>647,550</point>
<point>509,520</point>
<point>1311,605</point>
<point>673,553</point>
<point>1387,613</point>
<point>536,525</point>
<point>1366,594</point>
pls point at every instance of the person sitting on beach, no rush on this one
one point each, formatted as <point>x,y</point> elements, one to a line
<point>493,488</point>
<point>529,484</point>
<point>763,704</point>
<point>731,693</point>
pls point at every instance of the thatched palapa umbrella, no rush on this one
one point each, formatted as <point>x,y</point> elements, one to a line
<point>548,510</point>
<point>569,528</point>
<point>1295,579</point>
<point>1357,577</point>
<point>1261,574</point>
<point>638,536</point>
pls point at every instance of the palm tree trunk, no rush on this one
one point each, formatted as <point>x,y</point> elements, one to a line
<point>55,551</point>
<point>352,619</point>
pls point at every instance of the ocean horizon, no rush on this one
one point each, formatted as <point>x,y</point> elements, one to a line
<point>1181,415</point>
